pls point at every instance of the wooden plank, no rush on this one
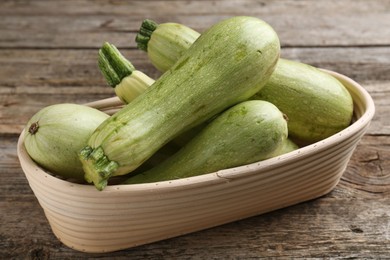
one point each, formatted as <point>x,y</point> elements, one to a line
<point>380,94</point>
<point>86,23</point>
<point>368,172</point>
<point>41,67</point>
<point>360,64</point>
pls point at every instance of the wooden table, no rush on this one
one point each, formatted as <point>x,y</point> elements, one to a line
<point>48,52</point>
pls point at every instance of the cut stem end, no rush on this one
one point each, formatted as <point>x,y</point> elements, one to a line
<point>145,32</point>
<point>97,167</point>
<point>33,129</point>
<point>113,65</point>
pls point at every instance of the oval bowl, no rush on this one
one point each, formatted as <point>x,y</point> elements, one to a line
<point>124,216</point>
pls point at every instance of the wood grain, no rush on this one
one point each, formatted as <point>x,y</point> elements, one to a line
<point>86,24</point>
<point>48,53</point>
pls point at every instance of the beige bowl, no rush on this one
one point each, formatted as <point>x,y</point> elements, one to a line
<point>124,216</point>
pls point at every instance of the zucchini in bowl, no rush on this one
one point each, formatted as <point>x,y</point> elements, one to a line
<point>208,78</point>
<point>316,103</point>
<point>245,133</point>
<point>54,136</point>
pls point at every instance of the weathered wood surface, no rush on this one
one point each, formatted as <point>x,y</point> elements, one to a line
<point>85,24</point>
<point>48,55</point>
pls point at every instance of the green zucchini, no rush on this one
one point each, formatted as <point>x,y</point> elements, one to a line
<point>316,103</point>
<point>120,74</point>
<point>56,133</point>
<point>208,78</point>
<point>288,146</point>
<point>247,132</point>
<point>129,89</point>
<point>165,35</point>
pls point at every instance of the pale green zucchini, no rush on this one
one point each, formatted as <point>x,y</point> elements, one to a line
<point>316,103</point>
<point>208,78</point>
<point>165,36</point>
<point>56,133</point>
<point>287,146</point>
<point>120,74</point>
<point>247,132</point>
<point>129,89</point>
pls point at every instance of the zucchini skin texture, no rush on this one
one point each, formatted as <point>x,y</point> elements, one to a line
<point>164,43</point>
<point>317,104</point>
<point>132,86</point>
<point>248,132</point>
<point>56,133</point>
<point>210,77</point>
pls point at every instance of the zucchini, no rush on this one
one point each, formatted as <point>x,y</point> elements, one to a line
<point>316,103</point>
<point>127,93</point>
<point>56,133</point>
<point>208,78</point>
<point>120,74</point>
<point>247,132</point>
<point>287,146</point>
<point>164,36</point>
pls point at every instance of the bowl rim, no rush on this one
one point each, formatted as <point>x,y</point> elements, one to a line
<point>225,175</point>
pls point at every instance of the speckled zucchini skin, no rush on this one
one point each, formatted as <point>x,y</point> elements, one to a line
<point>247,132</point>
<point>317,104</point>
<point>55,134</point>
<point>163,36</point>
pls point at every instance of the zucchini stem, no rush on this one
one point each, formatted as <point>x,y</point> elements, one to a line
<point>165,43</point>
<point>113,65</point>
<point>120,74</point>
<point>95,161</point>
<point>33,129</point>
<point>145,32</point>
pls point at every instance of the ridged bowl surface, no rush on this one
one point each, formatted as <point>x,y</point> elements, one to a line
<point>124,216</point>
